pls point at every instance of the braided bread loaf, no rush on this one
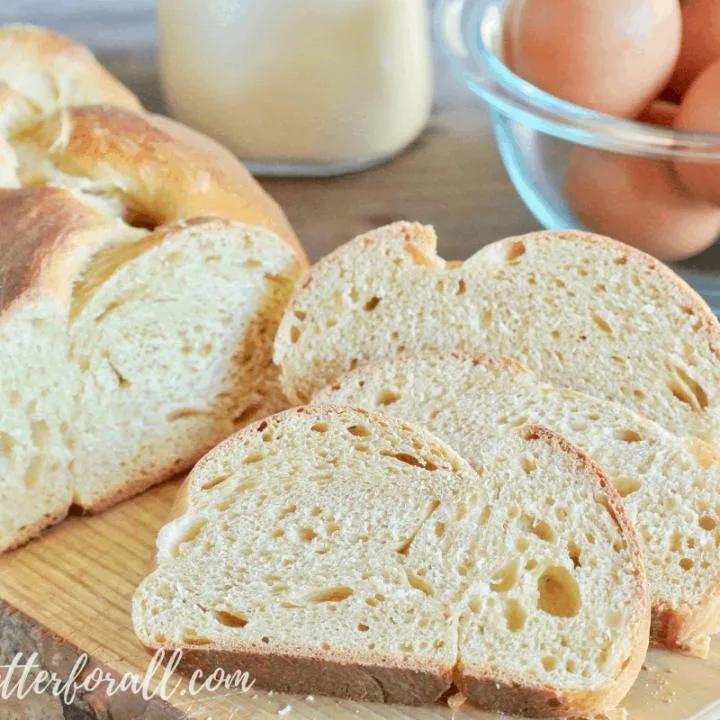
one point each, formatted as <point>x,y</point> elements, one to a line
<point>142,275</point>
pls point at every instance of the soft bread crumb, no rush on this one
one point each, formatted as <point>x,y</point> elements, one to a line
<point>342,524</point>
<point>582,311</point>
<point>669,486</point>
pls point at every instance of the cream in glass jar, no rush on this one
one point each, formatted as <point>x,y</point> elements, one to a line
<point>305,87</point>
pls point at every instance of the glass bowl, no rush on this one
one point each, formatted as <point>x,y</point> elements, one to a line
<point>575,168</point>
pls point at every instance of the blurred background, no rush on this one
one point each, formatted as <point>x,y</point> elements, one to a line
<point>451,176</point>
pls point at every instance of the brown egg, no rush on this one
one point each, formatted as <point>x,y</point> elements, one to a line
<point>700,42</point>
<point>661,112</point>
<point>639,200</point>
<point>613,56</point>
<point>700,112</point>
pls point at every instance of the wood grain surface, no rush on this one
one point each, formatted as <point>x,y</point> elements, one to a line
<point>69,592</point>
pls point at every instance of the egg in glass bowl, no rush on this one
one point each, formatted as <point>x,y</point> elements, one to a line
<point>632,175</point>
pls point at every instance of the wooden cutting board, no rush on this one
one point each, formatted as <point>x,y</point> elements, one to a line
<point>69,593</point>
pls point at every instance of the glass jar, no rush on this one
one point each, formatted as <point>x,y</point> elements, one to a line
<point>299,87</point>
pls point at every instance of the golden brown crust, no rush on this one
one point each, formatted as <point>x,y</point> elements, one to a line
<point>46,236</point>
<point>163,177</point>
<point>684,630</point>
<point>343,678</point>
<point>514,698</point>
<point>29,532</point>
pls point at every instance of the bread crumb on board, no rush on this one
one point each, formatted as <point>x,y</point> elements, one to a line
<point>285,710</point>
<point>456,701</point>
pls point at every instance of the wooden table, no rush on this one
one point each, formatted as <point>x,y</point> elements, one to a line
<point>453,178</point>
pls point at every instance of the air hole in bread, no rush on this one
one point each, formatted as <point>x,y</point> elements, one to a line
<point>622,260</point>
<point>388,397</point>
<point>7,444</point>
<point>707,523</point>
<point>39,432</point>
<point>320,427</point>
<point>409,459</point>
<point>415,581</point>
<point>122,381</point>
<point>626,486</point>
<point>300,315</point>
<point>514,615</point>
<point>687,390</point>
<point>516,249</point>
<point>306,534</point>
<point>602,323</point>
<point>486,318</point>
<point>294,334</point>
<point>331,528</point>
<point>521,544</point>
<point>686,564</point>
<point>630,436</point>
<point>210,484</point>
<point>231,619</point>
<point>288,510</point>
<point>278,533</point>
<point>676,541</point>
<point>252,458</point>
<point>537,527</point>
<point>359,431</point>
<point>333,594</point>
<point>528,464</point>
<point>34,471</point>
<point>439,529</point>
<point>705,454</point>
<point>461,287</point>
<point>531,564</point>
<point>362,627</point>
<point>574,554</point>
<point>571,666</point>
<point>549,663</point>
<point>504,579</point>
<point>372,303</point>
<point>558,593</point>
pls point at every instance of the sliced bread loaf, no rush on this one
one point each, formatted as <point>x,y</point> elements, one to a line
<point>126,354</point>
<point>135,333</point>
<point>583,312</point>
<point>333,550</point>
<point>671,485</point>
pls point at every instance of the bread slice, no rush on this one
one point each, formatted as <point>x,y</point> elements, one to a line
<point>126,354</point>
<point>332,550</point>
<point>583,312</point>
<point>670,485</point>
